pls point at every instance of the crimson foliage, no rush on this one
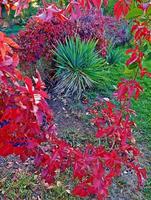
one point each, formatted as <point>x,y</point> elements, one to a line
<point>22,106</point>
<point>26,123</point>
<point>39,38</point>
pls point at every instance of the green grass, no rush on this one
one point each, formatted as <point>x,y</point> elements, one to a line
<point>143,109</point>
<point>147,190</point>
<point>21,187</point>
<point>27,186</point>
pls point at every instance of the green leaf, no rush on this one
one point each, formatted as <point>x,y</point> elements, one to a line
<point>130,72</point>
<point>132,66</point>
<point>149,11</point>
<point>134,13</point>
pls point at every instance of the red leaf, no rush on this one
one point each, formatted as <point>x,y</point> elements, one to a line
<point>10,42</point>
<point>121,8</point>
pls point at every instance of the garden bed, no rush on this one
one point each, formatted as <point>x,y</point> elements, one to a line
<point>73,124</point>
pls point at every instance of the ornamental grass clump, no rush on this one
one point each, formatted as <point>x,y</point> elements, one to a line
<point>79,66</point>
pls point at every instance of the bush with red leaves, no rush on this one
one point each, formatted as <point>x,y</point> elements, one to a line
<point>23,106</point>
<point>39,38</point>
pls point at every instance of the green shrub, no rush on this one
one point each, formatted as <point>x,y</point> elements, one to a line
<point>113,56</point>
<point>79,67</point>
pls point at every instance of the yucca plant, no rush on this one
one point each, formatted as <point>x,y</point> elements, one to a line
<point>79,66</point>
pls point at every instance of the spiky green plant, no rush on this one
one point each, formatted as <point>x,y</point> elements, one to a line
<point>113,55</point>
<point>79,66</point>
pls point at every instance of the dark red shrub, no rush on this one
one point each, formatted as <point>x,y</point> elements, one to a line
<point>39,37</point>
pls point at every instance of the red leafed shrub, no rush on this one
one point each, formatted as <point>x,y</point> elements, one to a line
<point>23,107</point>
<point>39,37</point>
<point>22,111</point>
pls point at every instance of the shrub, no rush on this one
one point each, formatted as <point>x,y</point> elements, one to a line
<point>113,56</point>
<point>39,37</point>
<point>23,106</point>
<point>117,32</point>
<point>79,66</point>
<point>91,26</point>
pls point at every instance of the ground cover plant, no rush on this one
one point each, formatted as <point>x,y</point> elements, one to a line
<point>27,127</point>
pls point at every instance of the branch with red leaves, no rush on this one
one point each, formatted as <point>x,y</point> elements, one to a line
<point>140,12</point>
